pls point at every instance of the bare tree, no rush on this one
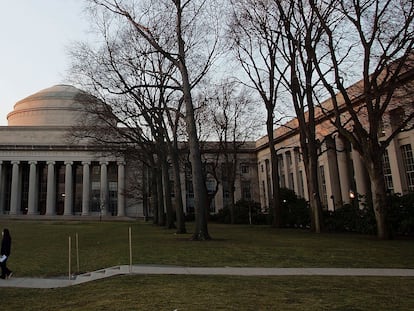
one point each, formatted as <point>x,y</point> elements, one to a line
<point>232,122</point>
<point>180,31</point>
<point>134,83</point>
<point>255,35</point>
<point>301,37</point>
<point>174,119</point>
<point>377,36</point>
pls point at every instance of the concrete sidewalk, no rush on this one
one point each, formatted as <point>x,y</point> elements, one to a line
<point>178,270</point>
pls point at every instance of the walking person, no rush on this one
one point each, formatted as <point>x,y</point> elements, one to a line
<point>5,253</point>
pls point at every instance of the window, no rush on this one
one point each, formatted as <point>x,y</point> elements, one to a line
<point>189,189</point>
<point>95,172</point>
<point>387,171</point>
<point>113,197</point>
<point>244,168</point>
<point>78,186</point>
<point>211,185</point>
<point>246,194</point>
<point>113,186</point>
<point>408,158</point>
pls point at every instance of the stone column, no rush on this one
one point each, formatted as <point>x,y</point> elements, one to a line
<point>104,187</point>
<point>343,169</point>
<point>121,189</point>
<point>295,165</point>
<point>31,209</point>
<point>360,174</point>
<point>14,198</point>
<point>286,170</point>
<point>333,179</point>
<point>68,189</point>
<point>86,186</point>
<point>51,191</point>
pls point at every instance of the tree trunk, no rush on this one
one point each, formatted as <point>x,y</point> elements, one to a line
<point>154,196</point>
<point>310,161</point>
<point>275,203</point>
<point>160,197</point>
<point>232,204</point>
<point>231,183</point>
<point>167,195</point>
<point>380,207</point>
<point>379,197</point>
<point>313,193</point>
<point>200,190</point>
<point>179,208</point>
<point>145,192</point>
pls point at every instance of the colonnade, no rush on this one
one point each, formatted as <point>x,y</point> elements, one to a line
<point>33,192</point>
<point>343,172</point>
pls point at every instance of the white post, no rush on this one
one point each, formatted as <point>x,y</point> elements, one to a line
<point>130,251</point>
<point>69,256</point>
<point>77,252</point>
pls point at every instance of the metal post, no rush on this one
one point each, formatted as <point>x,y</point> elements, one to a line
<point>77,252</point>
<point>130,251</point>
<point>69,257</point>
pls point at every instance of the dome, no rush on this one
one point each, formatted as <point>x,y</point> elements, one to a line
<point>59,105</point>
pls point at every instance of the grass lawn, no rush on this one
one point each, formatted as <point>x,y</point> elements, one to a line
<point>41,249</point>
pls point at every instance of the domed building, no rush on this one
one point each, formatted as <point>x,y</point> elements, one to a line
<point>59,105</point>
<point>43,172</point>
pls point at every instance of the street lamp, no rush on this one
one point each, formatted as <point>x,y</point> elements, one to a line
<point>352,196</point>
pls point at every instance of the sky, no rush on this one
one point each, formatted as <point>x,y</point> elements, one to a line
<point>35,36</point>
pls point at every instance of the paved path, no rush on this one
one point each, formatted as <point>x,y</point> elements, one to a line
<point>177,270</point>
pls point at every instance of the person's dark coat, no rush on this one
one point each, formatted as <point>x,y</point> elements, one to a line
<point>6,243</point>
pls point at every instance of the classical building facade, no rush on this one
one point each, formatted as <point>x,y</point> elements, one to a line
<point>43,172</point>
<point>341,172</point>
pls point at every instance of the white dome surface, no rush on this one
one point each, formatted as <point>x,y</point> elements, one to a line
<point>59,105</point>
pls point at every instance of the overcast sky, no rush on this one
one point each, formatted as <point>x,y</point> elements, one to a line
<point>34,40</point>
